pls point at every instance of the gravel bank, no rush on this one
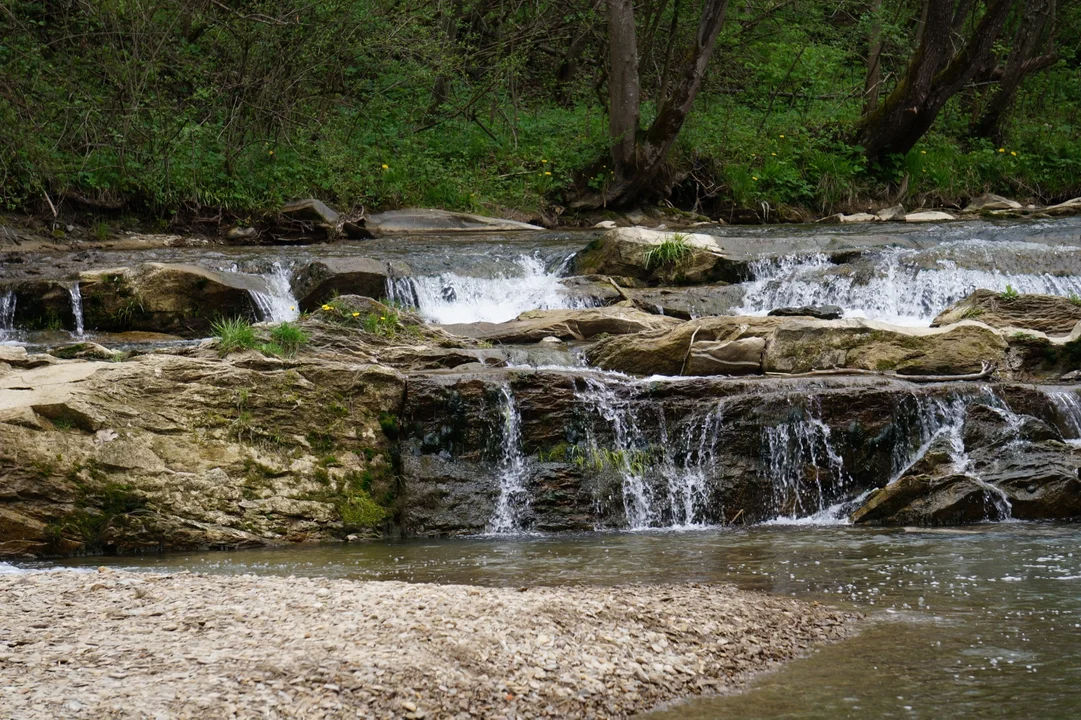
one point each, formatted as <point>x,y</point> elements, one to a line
<point>131,645</point>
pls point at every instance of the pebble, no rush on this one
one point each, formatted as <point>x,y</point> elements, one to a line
<point>257,647</point>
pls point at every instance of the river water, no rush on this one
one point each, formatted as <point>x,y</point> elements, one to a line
<point>984,622</point>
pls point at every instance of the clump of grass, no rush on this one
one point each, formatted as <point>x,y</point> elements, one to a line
<point>287,338</point>
<point>1009,294</point>
<point>234,334</point>
<point>1075,298</point>
<point>382,323</point>
<point>669,253</point>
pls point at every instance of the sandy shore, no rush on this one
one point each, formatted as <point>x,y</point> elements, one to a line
<point>131,645</point>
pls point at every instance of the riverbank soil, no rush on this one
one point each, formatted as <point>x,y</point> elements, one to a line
<point>126,645</point>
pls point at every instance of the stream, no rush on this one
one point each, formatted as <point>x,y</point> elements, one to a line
<point>968,623</point>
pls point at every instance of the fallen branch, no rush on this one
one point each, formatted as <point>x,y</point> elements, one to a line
<point>987,370</point>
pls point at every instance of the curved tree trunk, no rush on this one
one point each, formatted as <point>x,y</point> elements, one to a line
<point>1029,40</point>
<point>637,155</point>
<point>936,73</point>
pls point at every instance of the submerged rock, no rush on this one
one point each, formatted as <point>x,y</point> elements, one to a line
<point>1048,314</point>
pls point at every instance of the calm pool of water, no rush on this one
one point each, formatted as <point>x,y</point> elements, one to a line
<point>978,623</point>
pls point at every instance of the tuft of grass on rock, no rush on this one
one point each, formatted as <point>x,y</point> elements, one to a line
<point>669,253</point>
<point>234,334</point>
<point>1009,294</point>
<point>287,339</point>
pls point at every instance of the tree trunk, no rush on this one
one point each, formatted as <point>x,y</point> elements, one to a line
<point>935,74</point>
<point>874,57</point>
<point>638,163</point>
<point>623,90</point>
<point>1023,59</point>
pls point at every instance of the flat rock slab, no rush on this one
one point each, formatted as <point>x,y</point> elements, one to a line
<point>119,644</point>
<point>404,222</point>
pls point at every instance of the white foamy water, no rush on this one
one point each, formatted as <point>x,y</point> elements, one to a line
<point>278,303</point>
<point>7,314</point>
<point>450,298</point>
<point>514,499</point>
<point>899,291</point>
<point>77,307</point>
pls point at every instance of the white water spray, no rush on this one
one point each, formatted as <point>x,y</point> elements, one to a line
<point>514,499</point>
<point>277,304</point>
<point>7,314</point>
<point>451,298</point>
<point>77,307</point>
<point>791,448</point>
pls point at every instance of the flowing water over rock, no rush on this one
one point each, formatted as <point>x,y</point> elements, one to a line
<point>277,304</point>
<point>7,314</point>
<point>513,504</point>
<point>450,298</point>
<point>1068,405</point>
<point>77,308</point>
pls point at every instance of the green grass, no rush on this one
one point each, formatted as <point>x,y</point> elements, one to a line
<point>359,510</point>
<point>1075,298</point>
<point>288,338</point>
<point>1009,294</point>
<point>234,334</point>
<point>670,253</point>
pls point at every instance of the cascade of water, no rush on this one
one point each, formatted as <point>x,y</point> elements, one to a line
<point>1068,406</point>
<point>450,298</point>
<point>514,500</point>
<point>900,291</point>
<point>77,307</point>
<point>933,417</point>
<point>793,446</point>
<point>7,314</point>
<point>278,303</point>
<point>664,480</point>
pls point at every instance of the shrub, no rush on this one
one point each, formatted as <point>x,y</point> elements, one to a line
<point>671,252</point>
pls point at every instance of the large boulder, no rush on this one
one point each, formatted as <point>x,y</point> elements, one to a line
<point>535,325</point>
<point>998,465</point>
<point>798,345</point>
<point>1064,209</point>
<point>318,281</point>
<point>165,452</point>
<point>687,302</point>
<point>641,254</point>
<point>925,216</point>
<point>168,298</point>
<point>410,221</point>
<point>1049,314</point>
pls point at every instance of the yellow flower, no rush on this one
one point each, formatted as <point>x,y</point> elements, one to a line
<point>773,154</point>
<point>356,314</point>
<point>1002,150</point>
<point>384,317</point>
<point>386,167</point>
<point>782,137</point>
<point>271,152</point>
<point>547,173</point>
<point>544,161</point>
<point>754,177</point>
<point>1013,153</point>
<point>326,307</point>
<point>923,152</point>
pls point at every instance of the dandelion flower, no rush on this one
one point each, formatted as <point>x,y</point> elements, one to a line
<point>754,177</point>
<point>544,161</point>
<point>384,317</point>
<point>923,152</point>
<point>386,167</point>
<point>356,314</point>
<point>271,152</point>
<point>773,154</point>
<point>326,307</point>
<point>1002,150</point>
<point>782,137</point>
<point>1013,153</point>
<point>547,173</point>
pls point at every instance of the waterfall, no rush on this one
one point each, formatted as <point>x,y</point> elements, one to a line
<point>932,418</point>
<point>664,481</point>
<point>790,448</point>
<point>277,304</point>
<point>1068,406</point>
<point>900,290</point>
<point>450,298</point>
<point>7,314</point>
<point>77,307</point>
<point>514,499</point>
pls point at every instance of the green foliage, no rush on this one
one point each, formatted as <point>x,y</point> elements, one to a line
<point>234,334</point>
<point>1075,298</point>
<point>1009,294</point>
<point>669,253</point>
<point>288,338</point>
<point>360,511</point>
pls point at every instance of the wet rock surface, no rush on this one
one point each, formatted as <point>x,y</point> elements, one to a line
<point>1049,314</point>
<point>535,325</point>
<point>638,253</point>
<point>116,644</point>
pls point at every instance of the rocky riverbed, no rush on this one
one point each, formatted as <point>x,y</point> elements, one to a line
<point>134,645</point>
